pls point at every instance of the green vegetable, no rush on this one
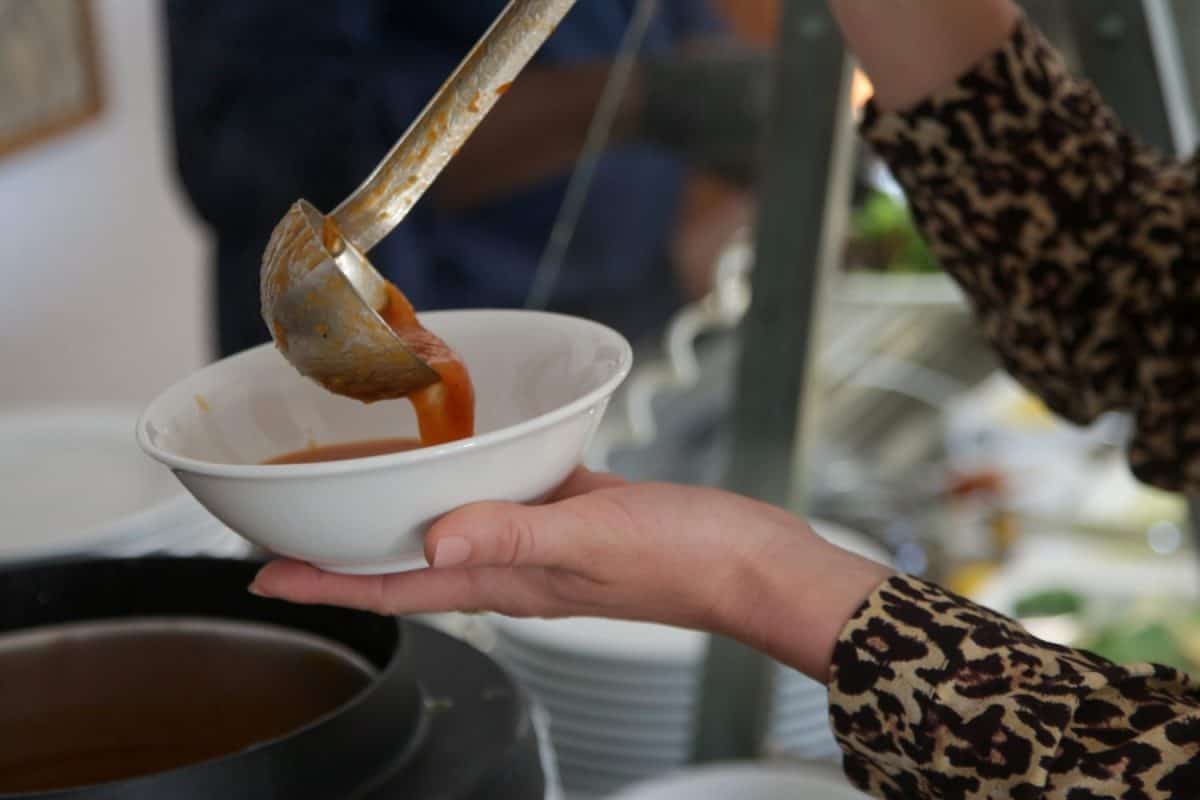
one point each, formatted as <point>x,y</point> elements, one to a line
<point>884,227</point>
<point>1126,643</point>
<point>1049,603</point>
<point>881,215</point>
<point>1154,630</point>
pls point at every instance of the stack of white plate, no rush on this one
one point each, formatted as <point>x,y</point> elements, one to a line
<point>798,724</point>
<point>75,483</point>
<point>621,696</point>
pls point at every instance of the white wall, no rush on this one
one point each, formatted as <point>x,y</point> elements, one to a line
<point>103,274</point>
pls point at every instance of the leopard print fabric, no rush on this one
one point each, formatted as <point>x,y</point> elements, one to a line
<point>1080,251</point>
<point>935,697</point>
<point>1079,247</point>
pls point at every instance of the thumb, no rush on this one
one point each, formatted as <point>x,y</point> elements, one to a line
<point>506,535</point>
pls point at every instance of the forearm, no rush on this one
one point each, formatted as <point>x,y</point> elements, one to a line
<point>535,132</point>
<point>1068,236</point>
<point>933,696</point>
<point>910,48</point>
<point>797,593</point>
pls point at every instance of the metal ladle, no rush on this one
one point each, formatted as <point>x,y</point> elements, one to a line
<point>321,297</point>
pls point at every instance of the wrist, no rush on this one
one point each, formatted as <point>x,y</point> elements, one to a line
<point>797,595</point>
<point>950,37</point>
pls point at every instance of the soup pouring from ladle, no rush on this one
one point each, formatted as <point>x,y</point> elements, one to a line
<point>321,297</point>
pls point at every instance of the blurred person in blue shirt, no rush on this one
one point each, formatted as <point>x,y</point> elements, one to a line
<point>274,100</point>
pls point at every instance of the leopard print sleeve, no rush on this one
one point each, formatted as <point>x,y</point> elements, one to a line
<point>1079,247</point>
<point>934,697</point>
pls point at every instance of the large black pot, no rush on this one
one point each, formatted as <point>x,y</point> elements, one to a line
<point>164,678</point>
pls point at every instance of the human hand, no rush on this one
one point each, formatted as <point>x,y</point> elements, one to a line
<point>696,558</point>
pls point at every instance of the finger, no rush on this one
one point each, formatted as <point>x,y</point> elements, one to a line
<point>302,583</point>
<point>506,535</point>
<point>417,592</point>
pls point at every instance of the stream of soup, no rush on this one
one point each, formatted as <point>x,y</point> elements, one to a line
<point>445,409</point>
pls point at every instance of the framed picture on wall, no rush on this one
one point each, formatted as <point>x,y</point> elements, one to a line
<point>49,73</point>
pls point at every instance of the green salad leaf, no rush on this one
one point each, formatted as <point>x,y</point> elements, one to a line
<point>1049,603</point>
<point>1153,631</point>
<point>884,223</point>
<point>1138,642</point>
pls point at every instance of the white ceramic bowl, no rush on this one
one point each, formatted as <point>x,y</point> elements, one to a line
<point>542,382</point>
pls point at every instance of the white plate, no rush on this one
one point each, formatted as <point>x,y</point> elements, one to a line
<point>799,714</point>
<point>802,729</point>
<point>645,703</point>
<point>801,723</point>
<point>782,712</point>
<point>824,750</point>
<point>576,778</point>
<point>625,684</point>
<point>538,653</point>
<point>802,726</point>
<point>796,693</point>
<point>580,782</point>
<point>795,690</point>
<point>826,753</point>
<point>815,749</point>
<point>673,735</point>
<point>805,733</point>
<point>582,669</point>
<point>800,704</point>
<point>817,707</point>
<point>72,482</point>
<point>746,782</point>
<point>620,684</point>
<point>626,692</point>
<point>609,640</point>
<point>618,770</point>
<point>619,709</point>
<point>631,717</point>
<point>183,527</point>
<point>628,759</point>
<point>821,740</point>
<point>854,541</point>
<point>628,756</point>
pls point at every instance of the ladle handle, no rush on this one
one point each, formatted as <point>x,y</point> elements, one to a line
<point>384,199</point>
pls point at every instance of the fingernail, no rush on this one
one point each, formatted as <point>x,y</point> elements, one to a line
<point>256,591</point>
<point>451,552</point>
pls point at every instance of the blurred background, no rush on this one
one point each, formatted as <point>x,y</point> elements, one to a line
<point>147,148</point>
<point>100,246</point>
